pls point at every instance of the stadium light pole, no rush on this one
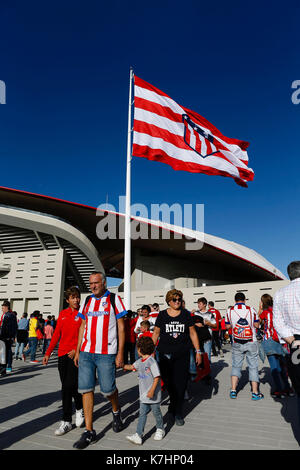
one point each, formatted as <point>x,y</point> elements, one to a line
<point>127,247</point>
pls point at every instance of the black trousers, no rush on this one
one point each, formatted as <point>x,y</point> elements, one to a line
<point>129,349</point>
<point>175,375</point>
<point>68,373</point>
<point>216,342</point>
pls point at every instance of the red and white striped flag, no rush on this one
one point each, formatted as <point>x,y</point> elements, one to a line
<point>167,132</point>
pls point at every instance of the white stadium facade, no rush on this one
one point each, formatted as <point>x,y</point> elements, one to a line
<point>48,244</point>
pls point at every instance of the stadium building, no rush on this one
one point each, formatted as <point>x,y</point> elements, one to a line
<point>48,244</point>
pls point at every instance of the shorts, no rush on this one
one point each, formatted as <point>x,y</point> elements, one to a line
<point>250,351</point>
<point>105,366</point>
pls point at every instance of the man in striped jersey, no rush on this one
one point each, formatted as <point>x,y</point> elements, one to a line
<point>100,349</point>
<point>244,322</point>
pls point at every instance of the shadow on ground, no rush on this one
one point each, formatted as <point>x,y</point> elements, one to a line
<point>32,426</point>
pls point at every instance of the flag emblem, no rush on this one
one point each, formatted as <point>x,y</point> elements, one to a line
<point>167,132</point>
<point>198,138</point>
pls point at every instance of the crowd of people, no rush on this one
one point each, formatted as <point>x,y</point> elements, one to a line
<point>167,348</point>
<point>28,334</point>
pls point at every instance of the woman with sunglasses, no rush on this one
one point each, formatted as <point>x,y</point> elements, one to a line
<point>176,333</point>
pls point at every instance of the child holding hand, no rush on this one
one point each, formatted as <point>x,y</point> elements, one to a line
<point>149,389</point>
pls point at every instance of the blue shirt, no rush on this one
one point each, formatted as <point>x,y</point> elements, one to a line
<point>23,324</point>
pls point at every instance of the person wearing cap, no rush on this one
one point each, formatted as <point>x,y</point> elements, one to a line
<point>9,327</point>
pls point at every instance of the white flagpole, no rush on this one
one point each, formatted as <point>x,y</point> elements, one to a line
<point>127,248</point>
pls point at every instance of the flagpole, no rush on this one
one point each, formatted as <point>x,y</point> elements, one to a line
<point>127,248</point>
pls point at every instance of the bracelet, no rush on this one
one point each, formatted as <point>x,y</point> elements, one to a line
<point>197,350</point>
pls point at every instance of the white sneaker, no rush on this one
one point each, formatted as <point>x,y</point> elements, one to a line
<point>63,428</point>
<point>135,439</point>
<point>159,435</point>
<point>79,418</point>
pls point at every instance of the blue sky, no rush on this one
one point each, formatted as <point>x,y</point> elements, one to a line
<point>63,129</point>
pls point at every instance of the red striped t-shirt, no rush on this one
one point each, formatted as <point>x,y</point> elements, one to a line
<point>100,334</point>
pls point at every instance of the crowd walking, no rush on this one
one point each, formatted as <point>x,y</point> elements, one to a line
<point>166,348</point>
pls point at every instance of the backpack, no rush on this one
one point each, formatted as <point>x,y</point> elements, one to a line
<point>242,331</point>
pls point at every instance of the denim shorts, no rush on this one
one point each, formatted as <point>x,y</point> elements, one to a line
<point>239,352</point>
<point>104,365</point>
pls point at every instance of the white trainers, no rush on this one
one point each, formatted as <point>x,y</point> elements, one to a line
<point>135,439</point>
<point>63,428</point>
<point>79,418</point>
<point>159,435</point>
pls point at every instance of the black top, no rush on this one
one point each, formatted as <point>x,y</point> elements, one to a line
<point>9,326</point>
<point>174,332</point>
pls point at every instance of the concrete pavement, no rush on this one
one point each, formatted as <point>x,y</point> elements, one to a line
<point>30,404</point>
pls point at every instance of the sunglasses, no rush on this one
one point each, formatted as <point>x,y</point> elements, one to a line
<point>177,299</point>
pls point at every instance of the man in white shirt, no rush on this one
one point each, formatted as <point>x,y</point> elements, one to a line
<point>145,315</point>
<point>209,321</point>
<point>243,321</point>
<point>286,321</point>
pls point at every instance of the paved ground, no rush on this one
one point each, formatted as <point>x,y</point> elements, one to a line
<point>31,408</point>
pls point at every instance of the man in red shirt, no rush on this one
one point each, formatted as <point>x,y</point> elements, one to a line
<point>66,332</point>
<point>216,331</point>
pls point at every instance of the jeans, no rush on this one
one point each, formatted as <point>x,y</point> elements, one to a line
<point>193,367</point>
<point>46,345</point>
<point>277,373</point>
<point>250,351</point>
<point>144,410</point>
<point>19,349</point>
<point>105,366</point>
<point>207,345</point>
<point>33,342</point>
<point>136,354</point>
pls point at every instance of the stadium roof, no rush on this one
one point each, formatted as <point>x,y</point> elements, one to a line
<point>232,257</point>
